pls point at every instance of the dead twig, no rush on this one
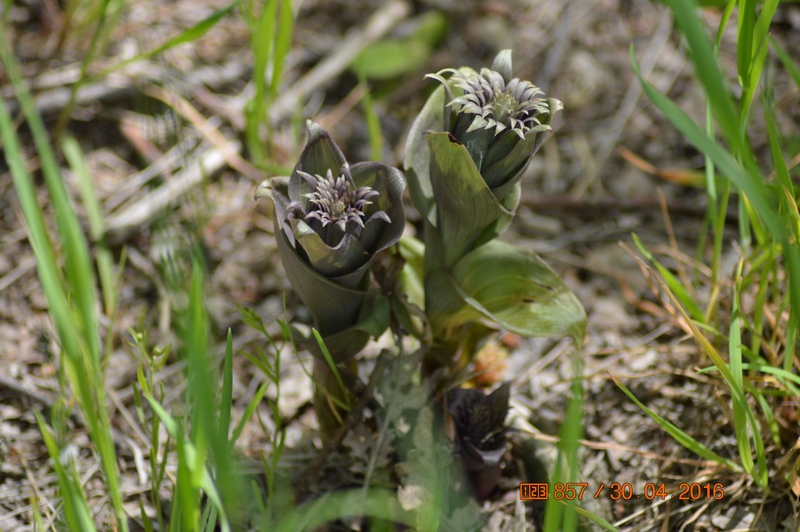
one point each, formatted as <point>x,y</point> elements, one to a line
<point>187,110</point>
<point>16,387</point>
<point>123,84</point>
<point>150,206</point>
<point>627,105</point>
<point>586,208</point>
<point>340,58</point>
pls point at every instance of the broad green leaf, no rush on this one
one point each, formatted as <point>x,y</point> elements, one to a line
<point>320,155</point>
<point>510,286</point>
<point>334,307</point>
<point>431,27</point>
<point>418,156</point>
<point>509,202</point>
<point>342,346</point>
<point>464,203</point>
<point>390,183</point>
<point>413,252</point>
<point>390,58</point>
<point>342,259</point>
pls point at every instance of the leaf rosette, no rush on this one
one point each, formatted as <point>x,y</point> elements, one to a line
<point>330,221</point>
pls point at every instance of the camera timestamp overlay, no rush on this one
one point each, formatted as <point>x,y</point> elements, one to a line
<point>686,491</point>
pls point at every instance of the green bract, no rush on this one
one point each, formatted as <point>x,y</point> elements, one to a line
<point>501,121</point>
<point>331,219</point>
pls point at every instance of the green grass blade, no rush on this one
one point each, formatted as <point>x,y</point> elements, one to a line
<point>262,38</point>
<point>196,31</point>
<point>723,23</point>
<point>212,492</point>
<point>678,435</point>
<point>188,35</point>
<point>261,363</point>
<point>674,283</point>
<point>787,62</point>
<point>251,407</point>
<point>778,161</point>
<point>744,41</point>
<point>769,417</point>
<point>746,182</point>
<point>186,500</point>
<point>283,41</point>
<point>780,373</point>
<point>373,123</point>
<point>749,91</point>
<point>331,364</point>
<point>596,519</point>
<point>761,30</point>
<point>735,361</point>
<point>791,342</point>
<point>381,504</point>
<point>558,516</point>
<point>759,475</point>
<point>106,14</point>
<point>173,429</point>
<point>707,70</point>
<point>76,326</point>
<point>94,212</point>
<point>227,390</point>
<point>76,508</point>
